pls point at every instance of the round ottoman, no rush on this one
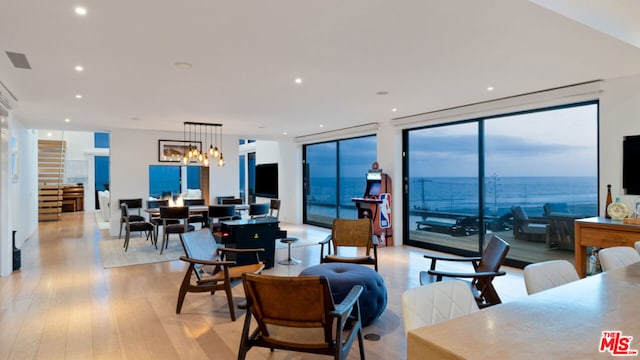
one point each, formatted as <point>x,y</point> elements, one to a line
<point>343,276</point>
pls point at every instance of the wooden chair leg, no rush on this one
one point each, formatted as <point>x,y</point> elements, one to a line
<point>227,290</point>
<point>126,240</point>
<point>244,341</point>
<point>165,240</point>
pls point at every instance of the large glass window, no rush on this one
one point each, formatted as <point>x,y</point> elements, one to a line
<point>335,172</point>
<point>443,191</point>
<point>243,178</point>
<point>167,181</point>
<point>533,172</point>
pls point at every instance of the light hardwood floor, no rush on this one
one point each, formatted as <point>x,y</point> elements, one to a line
<point>63,305</point>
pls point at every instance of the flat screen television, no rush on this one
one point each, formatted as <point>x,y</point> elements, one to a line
<point>631,164</point>
<point>267,180</point>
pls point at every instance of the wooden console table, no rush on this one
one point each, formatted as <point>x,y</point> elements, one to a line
<point>601,233</point>
<point>73,198</point>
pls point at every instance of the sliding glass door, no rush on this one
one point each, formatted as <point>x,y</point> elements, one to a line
<point>524,177</point>
<point>443,186</point>
<point>335,172</point>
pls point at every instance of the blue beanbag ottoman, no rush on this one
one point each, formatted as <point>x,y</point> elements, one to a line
<point>343,276</point>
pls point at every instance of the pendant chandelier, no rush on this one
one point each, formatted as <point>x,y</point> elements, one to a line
<point>194,133</point>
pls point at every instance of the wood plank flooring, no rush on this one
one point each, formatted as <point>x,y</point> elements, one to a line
<point>63,305</point>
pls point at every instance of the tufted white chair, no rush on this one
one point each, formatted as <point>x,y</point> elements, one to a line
<point>617,257</point>
<point>548,274</point>
<point>436,302</point>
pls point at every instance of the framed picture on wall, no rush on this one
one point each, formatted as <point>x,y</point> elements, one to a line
<point>174,150</point>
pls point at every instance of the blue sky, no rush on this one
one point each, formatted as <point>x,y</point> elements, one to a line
<point>561,142</point>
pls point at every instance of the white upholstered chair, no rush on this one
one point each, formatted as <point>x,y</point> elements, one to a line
<point>436,302</point>
<point>617,257</point>
<point>548,274</point>
<point>636,245</point>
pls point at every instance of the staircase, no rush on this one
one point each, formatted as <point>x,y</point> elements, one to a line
<point>50,178</point>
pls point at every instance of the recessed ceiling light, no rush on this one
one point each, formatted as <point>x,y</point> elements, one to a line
<point>79,68</point>
<point>78,96</point>
<point>394,109</point>
<point>67,120</point>
<point>382,93</point>
<point>284,133</point>
<point>321,125</point>
<point>80,10</point>
<point>49,134</point>
<point>489,88</point>
<point>298,81</point>
<point>183,65</point>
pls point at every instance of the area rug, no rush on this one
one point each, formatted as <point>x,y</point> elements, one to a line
<point>140,251</point>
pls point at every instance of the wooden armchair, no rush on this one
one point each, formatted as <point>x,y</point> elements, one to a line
<point>486,268</point>
<point>351,233</point>
<point>298,314</point>
<point>212,272</point>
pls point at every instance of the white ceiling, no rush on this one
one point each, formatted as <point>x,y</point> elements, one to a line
<point>427,54</point>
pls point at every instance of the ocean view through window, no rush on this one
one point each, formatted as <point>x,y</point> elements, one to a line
<point>538,171</point>
<point>334,173</point>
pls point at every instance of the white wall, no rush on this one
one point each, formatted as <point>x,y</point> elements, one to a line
<point>18,195</point>
<point>6,250</point>
<point>288,155</point>
<point>619,117</point>
<point>389,141</point>
<point>24,190</point>
<point>132,151</point>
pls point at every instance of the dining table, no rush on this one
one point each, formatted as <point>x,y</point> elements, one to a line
<point>592,318</point>
<point>198,209</point>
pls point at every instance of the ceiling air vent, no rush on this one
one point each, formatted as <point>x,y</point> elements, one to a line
<point>18,60</point>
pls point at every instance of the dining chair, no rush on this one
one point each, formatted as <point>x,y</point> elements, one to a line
<point>617,256</point>
<point>174,221</point>
<point>136,226</point>
<point>197,217</point>
<point>132,204</point>
<point>153,207</point>
<point>548,274</point>
<point>274,208</point>
<point>218,213</point>
<point>258,210</point>
<point>436,302</point>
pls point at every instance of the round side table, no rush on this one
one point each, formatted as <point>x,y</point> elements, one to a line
<point>290,260</point>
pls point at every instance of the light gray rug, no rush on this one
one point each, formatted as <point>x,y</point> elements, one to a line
<point>140,251</point>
